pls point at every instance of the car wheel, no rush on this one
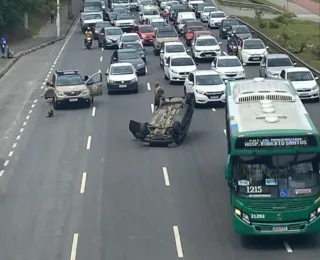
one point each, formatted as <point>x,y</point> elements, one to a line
<point>110,92</point>
<point>316,100</point>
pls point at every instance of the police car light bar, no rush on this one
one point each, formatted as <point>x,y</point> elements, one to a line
<point>67,72</point>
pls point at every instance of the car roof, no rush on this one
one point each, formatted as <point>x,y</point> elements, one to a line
<point>173,43</point>
<point>218,11</point>
<point>296,69</point>
<point>130,34</point>
<point>121,64</point>
<point>276,56</point>
<point>205,36</point>
<point>239,26</point>
<point>126,50</point>
<point>253,39</point>
<point>158,19</point>
<point>180,56</point>
<point>205,72</point>
<point>229,57</point>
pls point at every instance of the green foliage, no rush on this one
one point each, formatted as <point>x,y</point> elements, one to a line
<point>12,11</point>
<point>262,24</point>
<point>284,19</point>
<point>274,25</point>
<point>316,52</point>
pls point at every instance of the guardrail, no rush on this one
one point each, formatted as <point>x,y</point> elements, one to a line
<point>272,44</point>
<point>262,7</point>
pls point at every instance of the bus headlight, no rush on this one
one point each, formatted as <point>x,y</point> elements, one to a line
<point>242,215</point>
<point>313,215</point>
<point>318,210</point>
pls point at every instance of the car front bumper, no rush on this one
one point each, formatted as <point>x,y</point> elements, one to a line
<point>308,95</point>
<point>206,54</point>
<point>178,77</point>
<point>115,87</point>
<point>206,98</point>
<point>252,59</point>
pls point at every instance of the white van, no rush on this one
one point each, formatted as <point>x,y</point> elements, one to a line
<point>191,3</point>
<point>186,15</point>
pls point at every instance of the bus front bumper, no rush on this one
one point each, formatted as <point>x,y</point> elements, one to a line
<point>273,229</point>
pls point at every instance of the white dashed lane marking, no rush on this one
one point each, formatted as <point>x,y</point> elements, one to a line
<point>73,254</point>
<point>166,176</point>
<point>225,132</point>
<point>101,58</point>
<point>21,130</point>
<point>152,107</point>
<point>178,241</point>
<point>83,182</point>
<point>24,123</point>
<point>287,246</point>
<point>89,142</point>
<point>93,111</point>
<point>14,145</point>
<point>213,109</point>
<point>10,154</point>
<point>1,172</point>
<point>6,163</point>
<point>18,137</point>
<point>30,111</point>
<point>148,86</point>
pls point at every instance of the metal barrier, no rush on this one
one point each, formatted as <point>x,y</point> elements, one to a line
<point>244,5</point>
<point>272,44</point>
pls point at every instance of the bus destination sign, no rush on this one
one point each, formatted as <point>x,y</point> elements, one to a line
<point>272,142</point>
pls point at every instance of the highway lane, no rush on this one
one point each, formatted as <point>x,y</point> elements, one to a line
<point>131,197</point>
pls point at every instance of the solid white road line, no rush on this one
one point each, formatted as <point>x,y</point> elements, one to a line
<point>73,254</point>
<point>287,246</point>
<point>148,86</point>
<point>10,154</point>
<point>1,172</point>
<point>6,163</point>
<point>166,176</point>
<point>225,132</point>
<point>89,142</point>
<point>178,241</point>
<point>152,107</point>
<point>93,111</point>
<point>83,182</point>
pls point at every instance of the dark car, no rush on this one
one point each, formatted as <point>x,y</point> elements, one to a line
<point>98,27</point>
<point>242,31</point>
<point>172,11</point>
<point>109,37</point>
<point>111,16</point>
<point>199,7</point>
<point>132,56</point>
<point>136,46</point>
<point>191,23</point>
<point>226,25</point>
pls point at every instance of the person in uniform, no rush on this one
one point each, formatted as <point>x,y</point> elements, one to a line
<point>88,35</point>
<point>158,95</point>
<point>49,95</point>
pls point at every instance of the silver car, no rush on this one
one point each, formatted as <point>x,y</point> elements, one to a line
<point>272,64</point>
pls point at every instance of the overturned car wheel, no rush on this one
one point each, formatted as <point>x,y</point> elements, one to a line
<point>138,130</point>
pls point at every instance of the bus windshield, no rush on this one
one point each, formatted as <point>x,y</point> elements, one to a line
<point>276,176</point>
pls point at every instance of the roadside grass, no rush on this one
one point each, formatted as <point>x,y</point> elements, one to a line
<point>299,37</point>
<point>266,2</point>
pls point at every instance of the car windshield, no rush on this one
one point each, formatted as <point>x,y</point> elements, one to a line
<point>242,30</point>
<point>225,63</point>
<point>113,31</point>
<point>124,16</point>
<point>182,62</point>
<point>146,29</point>
<point>184,21</point>
<point>136,46</point>
<point>120,1</point>
<point>130,38</point>
<point>123,70</point>
<point>300,76</point>
<point>112,16</point>
<point>92,8</point>
<point>193,29</point>
<point>253,45</point>
<point>166,33</point>
<point>69,80</point>
<point>217,15</point>
<point>207,42</point>
<point>203,80</point>
<point>102,25</point>
<point>175,48</point>
<point>151,12</point>
<point>201,6</point>
<point>128,55</point>
<point>172,3</point>
<point>229,23</point>
<point>158,24</point>
<point>278,176</point>
<point>279,62</point>
<point>209,9</point>
<point>92,16</point>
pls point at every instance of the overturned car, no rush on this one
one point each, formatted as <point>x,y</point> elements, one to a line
<point>168,124</point>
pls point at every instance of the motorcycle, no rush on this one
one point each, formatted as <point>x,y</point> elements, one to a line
<point>88,42</point>
<point>232,47</point>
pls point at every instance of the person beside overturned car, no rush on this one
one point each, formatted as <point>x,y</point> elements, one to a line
<point>49,94</point>
<point>158,95</point>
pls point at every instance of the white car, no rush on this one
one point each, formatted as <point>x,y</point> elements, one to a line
<point>206,86</point>
<point>122,77</point>
<point>215,19</point>
<point>149,13</point>
<point>229,67</point>
<point>157,23</point>
<point>191,3</point>
<point>169,4</point>
<point>252,51</point>
<point>204,16</point>
<point>303,81</point>
<point>129,37</point>
<point>163,4</point>
<point>205,46</point>
<point>125,21</point>
<point>178,67</point>
<point>89,19</point>
<point>171,49</point>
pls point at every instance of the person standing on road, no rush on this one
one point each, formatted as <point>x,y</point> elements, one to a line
<point>52,16</point>
<point>3,47</point>
<point>49,95</point>
<point>158,94</point>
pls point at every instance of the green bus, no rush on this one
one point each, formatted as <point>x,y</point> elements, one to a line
<point>273,163</point>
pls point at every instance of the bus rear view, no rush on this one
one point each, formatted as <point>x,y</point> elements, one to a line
<point>273,159</point>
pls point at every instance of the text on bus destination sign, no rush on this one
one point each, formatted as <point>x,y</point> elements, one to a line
<point>286,141</point>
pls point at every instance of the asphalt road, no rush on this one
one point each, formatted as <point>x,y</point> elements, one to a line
<point>78,186</point>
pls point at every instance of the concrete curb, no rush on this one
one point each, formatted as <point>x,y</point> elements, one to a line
<point>19,55</point>
<point>279,48</point>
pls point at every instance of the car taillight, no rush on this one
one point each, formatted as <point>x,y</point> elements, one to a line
<point>143,35</point>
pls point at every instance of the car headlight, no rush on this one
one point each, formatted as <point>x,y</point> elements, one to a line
<point>140,65</point>
<point>241,73</point>
<point>108,40</point>
<point>133,80</point>
<point>174,72</point>
<point>242,215</point>
<point>111,81</point>
<point>60,93</point>
<point>272,73</point>
<point>85,92</point>
<point>315,87</point>
<point>201,92</point>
